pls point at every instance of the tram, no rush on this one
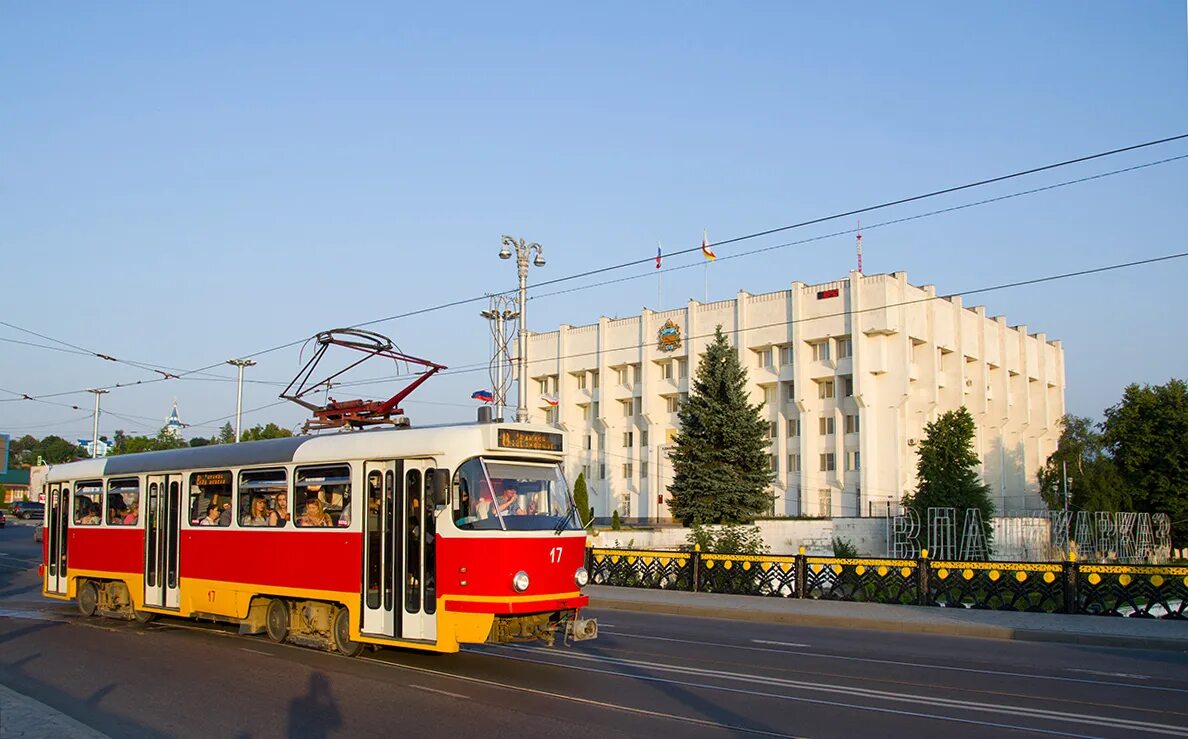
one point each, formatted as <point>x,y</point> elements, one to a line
<point>425,538</point>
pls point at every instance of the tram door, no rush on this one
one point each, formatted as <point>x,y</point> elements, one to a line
<point>399,595</point>
<point>161,586</point>
<point>56,534</point>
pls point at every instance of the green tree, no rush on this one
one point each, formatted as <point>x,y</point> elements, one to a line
<point>581,500</point>
<point>198,441</point>
<point>947,470</point>
<point>720,454</point>
<point>55,450</point>
<point>270,431</point>
<point>1147,435</point>
<point>23,452</point>
<point>125,444</point>
<point>1094,483</point>
<point>226,434</point>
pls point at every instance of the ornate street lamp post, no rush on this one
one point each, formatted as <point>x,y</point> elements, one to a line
<point>523,252</point>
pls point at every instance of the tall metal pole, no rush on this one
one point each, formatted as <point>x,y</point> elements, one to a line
<point>95,426</point>
<point>1064,479</point>
<point>240,363</point>
<point>523,252</point>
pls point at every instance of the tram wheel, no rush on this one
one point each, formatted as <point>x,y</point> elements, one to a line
<point>143,617</point>
<point>342,634</point>
<point>88,598</point>
<point>277,620</point>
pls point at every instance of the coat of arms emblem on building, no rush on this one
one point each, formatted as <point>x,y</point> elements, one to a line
<point>669,336</point>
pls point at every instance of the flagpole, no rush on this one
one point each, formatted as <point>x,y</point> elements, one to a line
<point>707,282</point>
<point>659,279</point>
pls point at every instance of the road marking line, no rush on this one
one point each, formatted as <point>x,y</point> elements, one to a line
<point>780,643</point>
<point>897,663</point>
<point>1126,675</point>
<point>575,699</point>
<point>442,692</point>
<point>814,701</point>
<point>256,651</point>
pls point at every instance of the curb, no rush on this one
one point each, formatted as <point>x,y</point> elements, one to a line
<point>26,718</point>
<point>985,631</point>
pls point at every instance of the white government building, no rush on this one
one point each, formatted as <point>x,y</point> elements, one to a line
<point>848,372</point>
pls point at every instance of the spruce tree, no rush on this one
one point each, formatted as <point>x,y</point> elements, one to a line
<point>720,457</point>
<point>947,470</point>
<point>581,500</point>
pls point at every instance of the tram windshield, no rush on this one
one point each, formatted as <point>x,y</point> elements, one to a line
<point>512,496</point>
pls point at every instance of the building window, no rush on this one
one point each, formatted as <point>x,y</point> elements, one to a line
<point>601,440</point>
<point>589,443</point>
<point>543,383</point>
<point>682,369</point>
<point>773,463</point>
<point>786,353</point>
<point>586,412</point>
<point>793,427</point>
<point>602,470</point>
<point>622,375</point>
<point>825,389</point>
<point>821,351</point>
<point>551,415</point>
<point>793,463</point>
<point>789,392</point>
<point>627,470</point>
<point>848,386</point>
<point>628,407</point>
<point>826,425</point>
<point>586,471</point>
<point>594,409</point>
<point>643,438</point>
<point>825,502</point>
<point>769,394</point>
<point>666,370</point>
<point>853,460</point>
<point>852,424</point>
<point>594,379</point>
<point>670,402</point>
<point>764,357</point>
<point>628,439</point>
<point>845,347</point>
<point>773,430</point>
<point>581,380</point>
<point>643,469</point>
<point>828,464</point>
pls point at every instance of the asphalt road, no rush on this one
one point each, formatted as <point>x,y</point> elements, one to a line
<point>647,675</point>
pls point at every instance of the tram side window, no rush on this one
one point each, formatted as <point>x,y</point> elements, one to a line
<point>210,499</point>
<point>323,496</point>
<point>88,503</point>
<point>123,502</point>
<point>472,498</point>
<point>263,497</point>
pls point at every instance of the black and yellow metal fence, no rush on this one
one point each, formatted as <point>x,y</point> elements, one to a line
<point>1046,587</point>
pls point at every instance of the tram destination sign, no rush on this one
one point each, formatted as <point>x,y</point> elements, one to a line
<point>539,441</point>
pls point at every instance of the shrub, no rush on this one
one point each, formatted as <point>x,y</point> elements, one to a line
<point>616,522</point>
<point>844,548</point>
<point>730,539</point>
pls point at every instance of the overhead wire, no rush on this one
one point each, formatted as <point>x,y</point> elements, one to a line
<point>935,193</point>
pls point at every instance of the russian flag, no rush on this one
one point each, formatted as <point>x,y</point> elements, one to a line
<point>550,399</point>
<point>658,255</point>
<point>484,395</point>
<point>706,251</point>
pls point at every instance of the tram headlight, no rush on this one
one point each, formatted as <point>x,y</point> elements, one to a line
<point>581,577</point>
<point>520,581</point>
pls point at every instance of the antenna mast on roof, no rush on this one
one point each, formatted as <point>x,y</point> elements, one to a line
<point>859,246</point>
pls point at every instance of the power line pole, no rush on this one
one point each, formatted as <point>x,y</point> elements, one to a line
<point>95,427</point>
<point>240,363</point>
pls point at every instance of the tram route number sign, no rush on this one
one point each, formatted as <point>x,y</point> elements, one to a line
<point>539,441</point>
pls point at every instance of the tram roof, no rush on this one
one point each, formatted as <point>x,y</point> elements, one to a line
<point>270,451</point>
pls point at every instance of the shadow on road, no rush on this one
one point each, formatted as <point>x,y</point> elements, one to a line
<point>314,714</point>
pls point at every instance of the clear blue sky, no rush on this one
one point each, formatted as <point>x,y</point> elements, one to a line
<point>184,184</point>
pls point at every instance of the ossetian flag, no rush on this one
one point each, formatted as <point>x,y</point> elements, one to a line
<point>706,251</point>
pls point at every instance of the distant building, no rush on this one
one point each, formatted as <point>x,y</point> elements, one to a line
<point>14,485</point>
<point>173,424</point>
<point>104,447</point>
<point>847,372</point>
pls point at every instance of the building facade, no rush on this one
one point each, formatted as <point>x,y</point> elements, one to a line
<point>848,373</point>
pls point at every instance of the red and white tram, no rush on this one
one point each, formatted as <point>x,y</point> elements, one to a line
<point>419,537</point>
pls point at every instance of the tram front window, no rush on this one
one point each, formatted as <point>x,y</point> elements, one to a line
<point>513,496</point>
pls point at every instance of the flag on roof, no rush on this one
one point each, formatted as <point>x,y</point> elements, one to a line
<point>550,399</point>
<point>484,395</point>
<point>706,251</point>
<point>658,255</point>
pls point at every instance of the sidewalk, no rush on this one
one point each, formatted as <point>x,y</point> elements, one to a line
<point>1104,631</point>
<point>21,717</point>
